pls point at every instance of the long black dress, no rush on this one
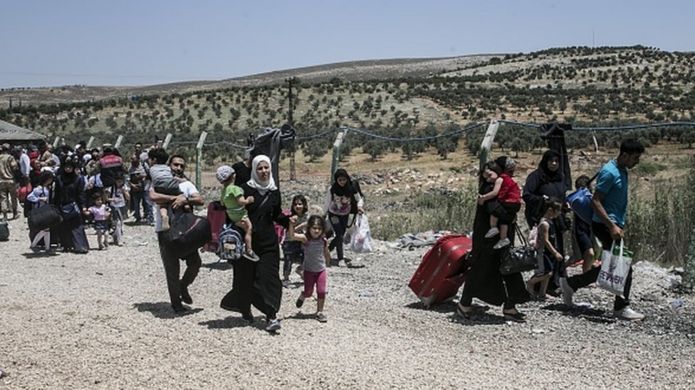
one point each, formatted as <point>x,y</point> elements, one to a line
<point>484,280</point>
<point>70,188</point>
<point>258,283</point>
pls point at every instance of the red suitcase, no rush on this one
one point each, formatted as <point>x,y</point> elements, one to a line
<point>217,215</point>
<point>442,270</point>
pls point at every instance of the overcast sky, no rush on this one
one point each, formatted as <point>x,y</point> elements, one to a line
<point>140,42</point>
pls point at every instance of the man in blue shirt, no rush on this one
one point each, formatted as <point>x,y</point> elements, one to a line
<point>610,208</point>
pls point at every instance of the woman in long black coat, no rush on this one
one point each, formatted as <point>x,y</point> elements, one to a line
<point>258,283</point>
<point>547,181</point>
<point>484,280</point>
<point>70,199</point>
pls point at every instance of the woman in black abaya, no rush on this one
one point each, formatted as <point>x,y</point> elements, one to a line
<point>70,199</point>
<point>258,283</point>
<point>483,280</point>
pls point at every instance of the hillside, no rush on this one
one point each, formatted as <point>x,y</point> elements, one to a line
<point>400,98</point>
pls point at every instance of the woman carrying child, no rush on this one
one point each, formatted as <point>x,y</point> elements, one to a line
<point>484,280</point>
<point>258,283</point>
<point>547,254</point>
<point>316,256</point>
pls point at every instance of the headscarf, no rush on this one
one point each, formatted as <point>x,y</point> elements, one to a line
<point>255,182</point>
<point>346,190</point>
<point>546,174</point>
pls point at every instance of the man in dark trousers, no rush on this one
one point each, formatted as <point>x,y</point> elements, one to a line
<point>610,210</point>
<point>189,197</point>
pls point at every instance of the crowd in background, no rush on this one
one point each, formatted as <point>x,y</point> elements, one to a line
<point>99,187</point>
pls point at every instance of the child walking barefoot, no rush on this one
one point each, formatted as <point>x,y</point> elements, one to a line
<point>545,247</point>
<point>316,256</point>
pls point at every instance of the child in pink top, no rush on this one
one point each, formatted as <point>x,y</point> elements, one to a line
<point>101,215</point>
<point>316,256</point>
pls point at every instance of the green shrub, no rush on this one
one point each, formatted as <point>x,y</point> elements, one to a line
<point>648,168</point>
<point>660,224</point>
<point>433,210</point>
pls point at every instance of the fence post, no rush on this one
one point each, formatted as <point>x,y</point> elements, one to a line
<point>336,151</point>
<point>118,143</point>
<point>689,266</point>
<point>167,139</point>
<point>487,141</point>
<point>198,157</point>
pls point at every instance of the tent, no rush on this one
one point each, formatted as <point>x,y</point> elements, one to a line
<point>13,134</point>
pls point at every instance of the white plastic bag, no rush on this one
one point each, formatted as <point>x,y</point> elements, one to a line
<point>361,241</point>
<point>615,267</point>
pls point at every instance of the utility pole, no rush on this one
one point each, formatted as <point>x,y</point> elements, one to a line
<point>290,121</point>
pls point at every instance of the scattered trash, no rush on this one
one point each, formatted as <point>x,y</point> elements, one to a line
<point>677,304</point>
<point>366,293</point>
<point>537,331</point>
<point>2,373</point>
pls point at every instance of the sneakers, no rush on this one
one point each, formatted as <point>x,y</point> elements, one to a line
<point>300,301</point>
<point>501,243</point>
<point>628,314</point>
<point>273,325</point>
<point>320,317</point>
<point>492,232</point>
<point>251,255</point>
<point>567,292</point>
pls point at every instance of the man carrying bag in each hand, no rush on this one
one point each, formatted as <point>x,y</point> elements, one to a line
<point>610,208</point>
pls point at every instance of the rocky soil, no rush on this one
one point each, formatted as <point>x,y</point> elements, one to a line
<point>102,320</point>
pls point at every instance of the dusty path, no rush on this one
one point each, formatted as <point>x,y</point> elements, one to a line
<point>103,321</point>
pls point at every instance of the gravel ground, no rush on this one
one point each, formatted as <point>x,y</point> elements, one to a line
<point>102,320</point>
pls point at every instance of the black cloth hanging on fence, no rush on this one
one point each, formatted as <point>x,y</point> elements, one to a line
<point>554,133</point>
<point>270,142</point>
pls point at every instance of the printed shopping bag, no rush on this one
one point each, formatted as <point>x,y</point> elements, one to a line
<point>615,267</point>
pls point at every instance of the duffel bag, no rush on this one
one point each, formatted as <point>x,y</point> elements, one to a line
<point>44,217</point>
<point>188,232</point>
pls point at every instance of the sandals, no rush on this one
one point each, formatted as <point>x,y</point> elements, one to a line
<point>472,311</point>
<point>516,317</point>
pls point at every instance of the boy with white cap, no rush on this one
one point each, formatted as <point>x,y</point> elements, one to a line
<point>234,201</point>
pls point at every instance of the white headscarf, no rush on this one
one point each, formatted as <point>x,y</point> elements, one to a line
<point>255,182</point>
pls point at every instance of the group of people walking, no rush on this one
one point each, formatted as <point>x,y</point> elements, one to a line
<point>96,186</point>
<point>544,194</point>
<point>256,205</point>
